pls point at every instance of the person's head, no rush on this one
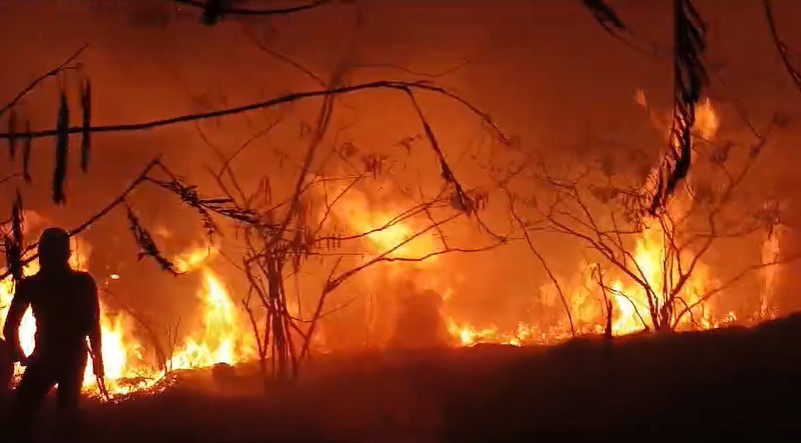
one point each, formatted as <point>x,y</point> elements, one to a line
<point>54,248</point>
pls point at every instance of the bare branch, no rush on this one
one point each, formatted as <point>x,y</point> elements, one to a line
<point>382,84</point>
<point>542,260</point>
<point>51,73</point>
<point>784,52</point>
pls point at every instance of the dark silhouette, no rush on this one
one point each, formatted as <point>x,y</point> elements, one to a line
<point>419,323</point>
<point>67,311</point>
<point>6,375</point>
<point>6,368</point>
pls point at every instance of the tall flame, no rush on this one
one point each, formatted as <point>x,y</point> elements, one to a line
<point>223,338</point>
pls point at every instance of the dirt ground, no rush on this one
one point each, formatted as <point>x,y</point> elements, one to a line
<point>679,387</point>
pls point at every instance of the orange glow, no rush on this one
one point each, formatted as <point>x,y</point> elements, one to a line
<point>221,333</point>
<point>218,337</point>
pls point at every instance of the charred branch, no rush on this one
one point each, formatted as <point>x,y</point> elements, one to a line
<point>381,84</point>
<point>461,199</point>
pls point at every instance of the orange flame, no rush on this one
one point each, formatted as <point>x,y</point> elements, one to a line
<point>220,339</point>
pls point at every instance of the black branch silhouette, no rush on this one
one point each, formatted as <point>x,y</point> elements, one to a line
<point>605,16</point>
<point>19,256</point>
<point>689,79</point>
<point>62,131</point>
<point>611,22</point>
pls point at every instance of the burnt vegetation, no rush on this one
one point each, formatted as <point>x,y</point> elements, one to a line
<point>455,395</point>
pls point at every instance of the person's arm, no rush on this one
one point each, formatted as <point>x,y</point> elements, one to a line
<point>19,304</point>
<point>95,332</point>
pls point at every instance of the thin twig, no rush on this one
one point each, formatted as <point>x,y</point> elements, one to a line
<point>780,46</point>
<point>382,84</point>
<point>51,73</point>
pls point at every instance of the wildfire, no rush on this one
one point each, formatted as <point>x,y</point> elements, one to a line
<point>223,338</point>
<point>655,263</point>
<point>219,337</point>
<point>220,333</point>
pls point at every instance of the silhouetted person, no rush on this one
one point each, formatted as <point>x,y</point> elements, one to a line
<point>67,311</point>
<point>419,323</point>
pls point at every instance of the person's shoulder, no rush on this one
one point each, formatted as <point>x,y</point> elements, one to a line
<point>26,287</point>
<point>84,277</point>
<point>30,279</point>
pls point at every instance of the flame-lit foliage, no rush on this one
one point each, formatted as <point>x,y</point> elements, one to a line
<point>657,278</point>
<point>205,206</point>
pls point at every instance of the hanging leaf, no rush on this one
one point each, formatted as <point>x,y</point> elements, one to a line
<point>86,141</point>
<point>690,77</point>
<point>604,15</point>
<point>13,243</point>
<point>147,247</point>
<point>212,12</point>
<point>62,148</point>
<point>26,153</point>
<point>17,219</point>
<point>12,133</point>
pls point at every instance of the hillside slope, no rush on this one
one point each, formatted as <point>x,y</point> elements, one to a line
<point>649,387</point>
